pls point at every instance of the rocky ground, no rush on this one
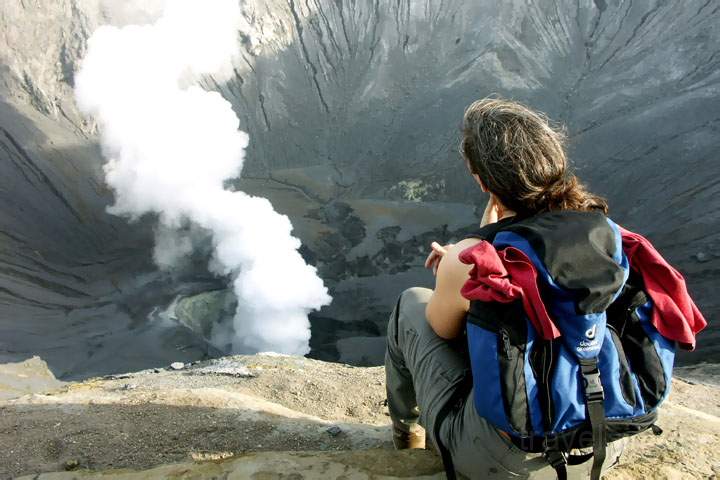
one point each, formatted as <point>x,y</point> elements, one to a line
<point>267,417</point>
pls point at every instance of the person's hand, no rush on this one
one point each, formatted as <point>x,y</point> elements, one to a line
<point>437,253</point>
<point>492,212</point>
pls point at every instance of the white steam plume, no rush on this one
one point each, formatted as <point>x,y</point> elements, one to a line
<point>126,12</point>
<point>171,145</point>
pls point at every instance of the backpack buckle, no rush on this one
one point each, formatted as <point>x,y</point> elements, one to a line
<point>594,391</point>
<point>593,388</point>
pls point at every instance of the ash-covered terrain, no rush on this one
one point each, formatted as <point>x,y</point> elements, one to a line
<point>353,111</point>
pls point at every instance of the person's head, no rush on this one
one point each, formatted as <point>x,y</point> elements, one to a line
<point>516,155</point>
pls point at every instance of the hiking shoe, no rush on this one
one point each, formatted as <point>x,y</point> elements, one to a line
<point>408,436</point>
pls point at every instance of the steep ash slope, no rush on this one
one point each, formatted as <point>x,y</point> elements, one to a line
<point>353,111</point>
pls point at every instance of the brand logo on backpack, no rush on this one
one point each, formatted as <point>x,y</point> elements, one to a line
<point>590,333</point>
<point>590,343</point>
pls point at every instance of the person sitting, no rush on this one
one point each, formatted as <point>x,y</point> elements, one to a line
<point>550,330</point>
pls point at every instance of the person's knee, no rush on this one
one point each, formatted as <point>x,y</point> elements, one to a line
<point>416,296</point>
<point>409,312</point>
<point>411,308</point>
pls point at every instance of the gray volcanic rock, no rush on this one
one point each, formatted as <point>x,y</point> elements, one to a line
<point>353,111</point>
<point>27,377</point>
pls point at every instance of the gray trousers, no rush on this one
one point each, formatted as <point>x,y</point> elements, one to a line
<point>424,371</point>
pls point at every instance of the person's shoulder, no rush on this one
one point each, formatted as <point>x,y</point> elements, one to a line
<point>454,265</point>
<point>463,244</point>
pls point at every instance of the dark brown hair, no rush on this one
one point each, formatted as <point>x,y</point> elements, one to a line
<point>521,158</point>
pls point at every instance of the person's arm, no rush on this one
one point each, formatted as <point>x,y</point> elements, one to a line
<point>447,308</point>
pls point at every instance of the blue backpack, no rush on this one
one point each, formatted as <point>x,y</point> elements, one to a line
<point>607,373</point>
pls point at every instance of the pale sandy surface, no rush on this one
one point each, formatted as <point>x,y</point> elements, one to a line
<point>276,418</point>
